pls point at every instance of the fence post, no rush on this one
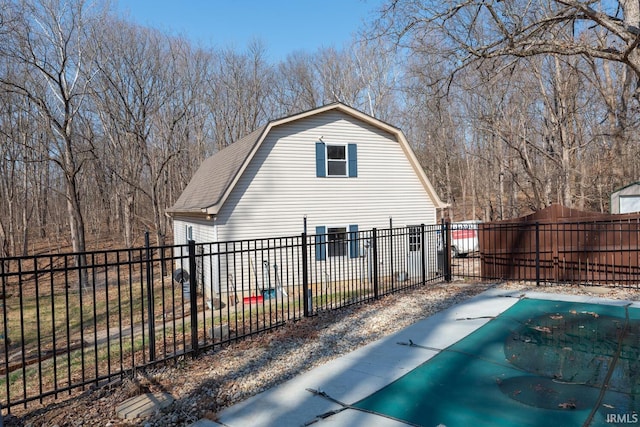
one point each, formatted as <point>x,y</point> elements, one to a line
<point>163,262</point>
<point>150,300</point>
<point>391,252</point>
<point>374,248</point>
<point>537,253</point>
<point>446,244</point>
<point>193,298</point>
<point>423,254</point>
<point>306,294</point>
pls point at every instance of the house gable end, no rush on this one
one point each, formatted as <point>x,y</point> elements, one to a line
<point>280,186</point>
<point>218,175</point>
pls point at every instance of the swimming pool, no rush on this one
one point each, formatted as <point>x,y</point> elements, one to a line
<point>538,363</point>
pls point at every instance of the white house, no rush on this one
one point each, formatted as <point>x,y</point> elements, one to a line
<point>333,170</point>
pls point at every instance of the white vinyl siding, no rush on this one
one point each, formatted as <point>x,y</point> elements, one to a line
<point>626,200</point>
<point>280,187</point>
<point>201,232</point>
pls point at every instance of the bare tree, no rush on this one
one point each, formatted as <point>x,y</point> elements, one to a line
<point>239,93</point>
<point>11,165</point>
<point>363,75</point>
<point>574,49</point>
<point>47,43</point>
<point>378,74</point>
<point>178,118</point>
<point>429,122</point>
<point>149,94</point>
<point>338,77</point>
<point>472,29</point>
<point>128,92</point>
<point>295,85</point>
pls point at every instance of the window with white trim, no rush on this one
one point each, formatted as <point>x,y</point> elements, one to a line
<point>336,160</point>
<point>336,241</point>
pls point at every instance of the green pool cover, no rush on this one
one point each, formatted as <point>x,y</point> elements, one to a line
<point>540,363</point>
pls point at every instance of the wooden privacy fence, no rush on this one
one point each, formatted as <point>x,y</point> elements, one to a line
<point>563,245</point>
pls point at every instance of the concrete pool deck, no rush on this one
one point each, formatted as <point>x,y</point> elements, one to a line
<point>364,371</point>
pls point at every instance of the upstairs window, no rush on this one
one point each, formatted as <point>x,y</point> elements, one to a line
<point>336,160</point>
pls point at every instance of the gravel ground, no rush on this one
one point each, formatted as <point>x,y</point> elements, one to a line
<point>216,380</point>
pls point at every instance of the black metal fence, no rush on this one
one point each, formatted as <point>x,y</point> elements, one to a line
<point>72,321</point>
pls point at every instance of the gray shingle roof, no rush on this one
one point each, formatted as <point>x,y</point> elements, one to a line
<point>214,179</point>
<point>214,176</point>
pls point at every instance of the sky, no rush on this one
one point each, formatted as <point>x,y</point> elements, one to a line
<point>283,26</point>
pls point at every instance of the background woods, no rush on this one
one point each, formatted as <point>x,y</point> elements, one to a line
<point>103,122</point>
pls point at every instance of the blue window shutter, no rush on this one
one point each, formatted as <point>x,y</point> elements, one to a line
<point>320,160</point>
<point>354,242</point>
<point>321,247</point>
<point>353,160</point>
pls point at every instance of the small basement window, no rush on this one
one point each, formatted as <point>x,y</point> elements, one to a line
<point>337,241</point>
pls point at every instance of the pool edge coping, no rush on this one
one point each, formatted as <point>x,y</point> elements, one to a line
<point>287,403</point>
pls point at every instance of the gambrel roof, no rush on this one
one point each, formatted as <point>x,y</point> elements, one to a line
<point>216,177</point>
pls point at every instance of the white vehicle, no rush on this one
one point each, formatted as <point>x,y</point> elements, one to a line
<point>464,238</point>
